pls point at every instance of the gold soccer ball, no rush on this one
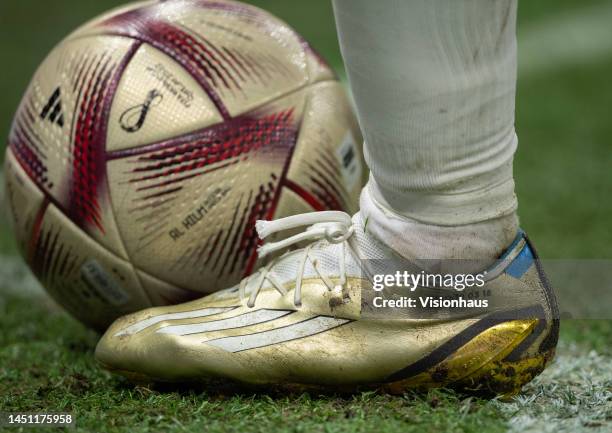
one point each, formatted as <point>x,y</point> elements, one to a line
<point>152,138</point>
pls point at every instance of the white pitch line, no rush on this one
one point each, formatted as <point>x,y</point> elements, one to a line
<point>575,37</point>
<point>573,395</point>
<point>16,278</point>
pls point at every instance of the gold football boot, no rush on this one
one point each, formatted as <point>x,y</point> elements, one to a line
<point>312,318</point>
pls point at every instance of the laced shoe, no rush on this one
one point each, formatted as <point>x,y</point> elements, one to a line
<point>311,318</point>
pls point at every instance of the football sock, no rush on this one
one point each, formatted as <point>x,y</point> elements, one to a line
<point>434,85</point>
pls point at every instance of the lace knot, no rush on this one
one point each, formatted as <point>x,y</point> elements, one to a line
<point>333,226</point>
<point>337,233</point>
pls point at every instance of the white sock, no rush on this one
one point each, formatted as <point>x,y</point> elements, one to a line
<point>434,83</point>
<point>427,243</point>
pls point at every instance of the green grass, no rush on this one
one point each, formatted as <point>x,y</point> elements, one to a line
<point>564,183</point>
<point>47,364</point>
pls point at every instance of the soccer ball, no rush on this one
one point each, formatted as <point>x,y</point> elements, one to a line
<point>151,139</point>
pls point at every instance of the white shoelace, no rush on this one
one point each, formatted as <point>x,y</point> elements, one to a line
<point>334,226</point>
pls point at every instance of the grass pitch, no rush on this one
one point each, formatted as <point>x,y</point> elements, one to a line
<point>46,364</point>
<point>563,182</point>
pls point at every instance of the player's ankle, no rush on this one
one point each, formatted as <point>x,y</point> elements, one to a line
<point>483,240</point>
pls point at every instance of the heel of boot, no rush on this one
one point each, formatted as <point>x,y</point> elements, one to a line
<point>505,378</point>
<point>499,361</point>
